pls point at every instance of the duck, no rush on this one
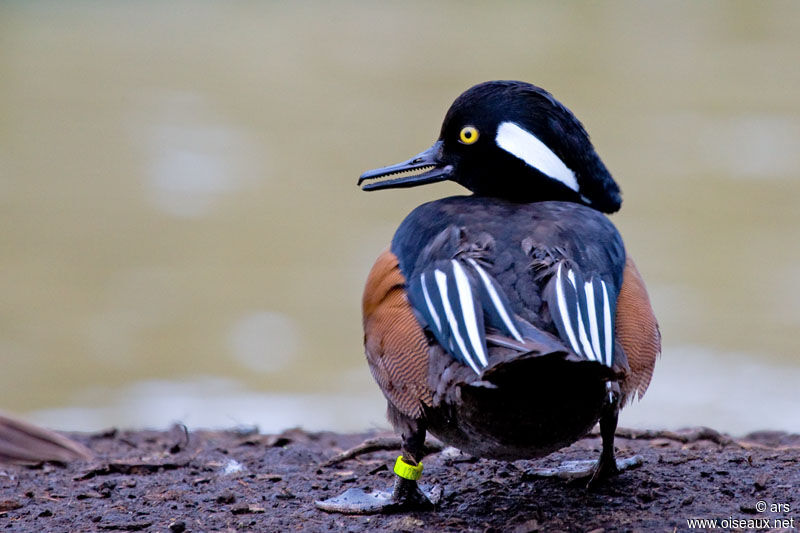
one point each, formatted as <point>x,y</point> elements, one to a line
<point>511,321</point>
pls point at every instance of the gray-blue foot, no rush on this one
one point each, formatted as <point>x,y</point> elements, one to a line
<point>592,471</point>
<point>406,496</point>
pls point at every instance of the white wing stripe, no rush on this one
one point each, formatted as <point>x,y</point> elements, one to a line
<point>562,309</point>
<point>441,282</point>
<point>584,337</point>
<point>587,346</point>
<point>501,309</point>
<point>588,288</point>
<point>571,278</point>
<point>468,311</point>
<point>607,324</point>
<point>431,308</point>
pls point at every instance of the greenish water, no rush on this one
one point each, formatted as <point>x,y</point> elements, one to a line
<point>182,237</point>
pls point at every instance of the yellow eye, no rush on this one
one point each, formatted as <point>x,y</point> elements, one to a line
<point>468,135</point>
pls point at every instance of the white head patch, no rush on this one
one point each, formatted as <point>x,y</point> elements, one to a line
<point>526,146</point>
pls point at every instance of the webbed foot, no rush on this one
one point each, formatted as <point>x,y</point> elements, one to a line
<point>406,496</point>
<point>594,472</point>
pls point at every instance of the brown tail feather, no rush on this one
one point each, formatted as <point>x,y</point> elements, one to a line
<point>24,443</point>
<point>637,332</point>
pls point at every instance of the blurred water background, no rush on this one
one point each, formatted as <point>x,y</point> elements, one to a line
<point>182,238</point>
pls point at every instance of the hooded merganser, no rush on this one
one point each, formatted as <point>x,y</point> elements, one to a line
<point>509,322</point>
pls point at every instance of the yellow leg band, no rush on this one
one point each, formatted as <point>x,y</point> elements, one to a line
<point>407,471</point>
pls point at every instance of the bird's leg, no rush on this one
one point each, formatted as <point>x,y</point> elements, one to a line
<point>406,495</point>
<point>408,468</point>
<point>607,466</point>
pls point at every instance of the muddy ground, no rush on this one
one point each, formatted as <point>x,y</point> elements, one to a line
<point>176,481</point>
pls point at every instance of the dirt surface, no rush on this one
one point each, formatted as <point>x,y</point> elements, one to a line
<point>175,481</point>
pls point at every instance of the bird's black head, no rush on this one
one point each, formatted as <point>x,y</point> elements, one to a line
<point>511,140</point>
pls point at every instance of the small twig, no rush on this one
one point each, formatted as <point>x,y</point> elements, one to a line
<point>370,445</point>
<point>379,444</point>
<point>692,435</point>
<point>178,446</point>
<point>129,468</point>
